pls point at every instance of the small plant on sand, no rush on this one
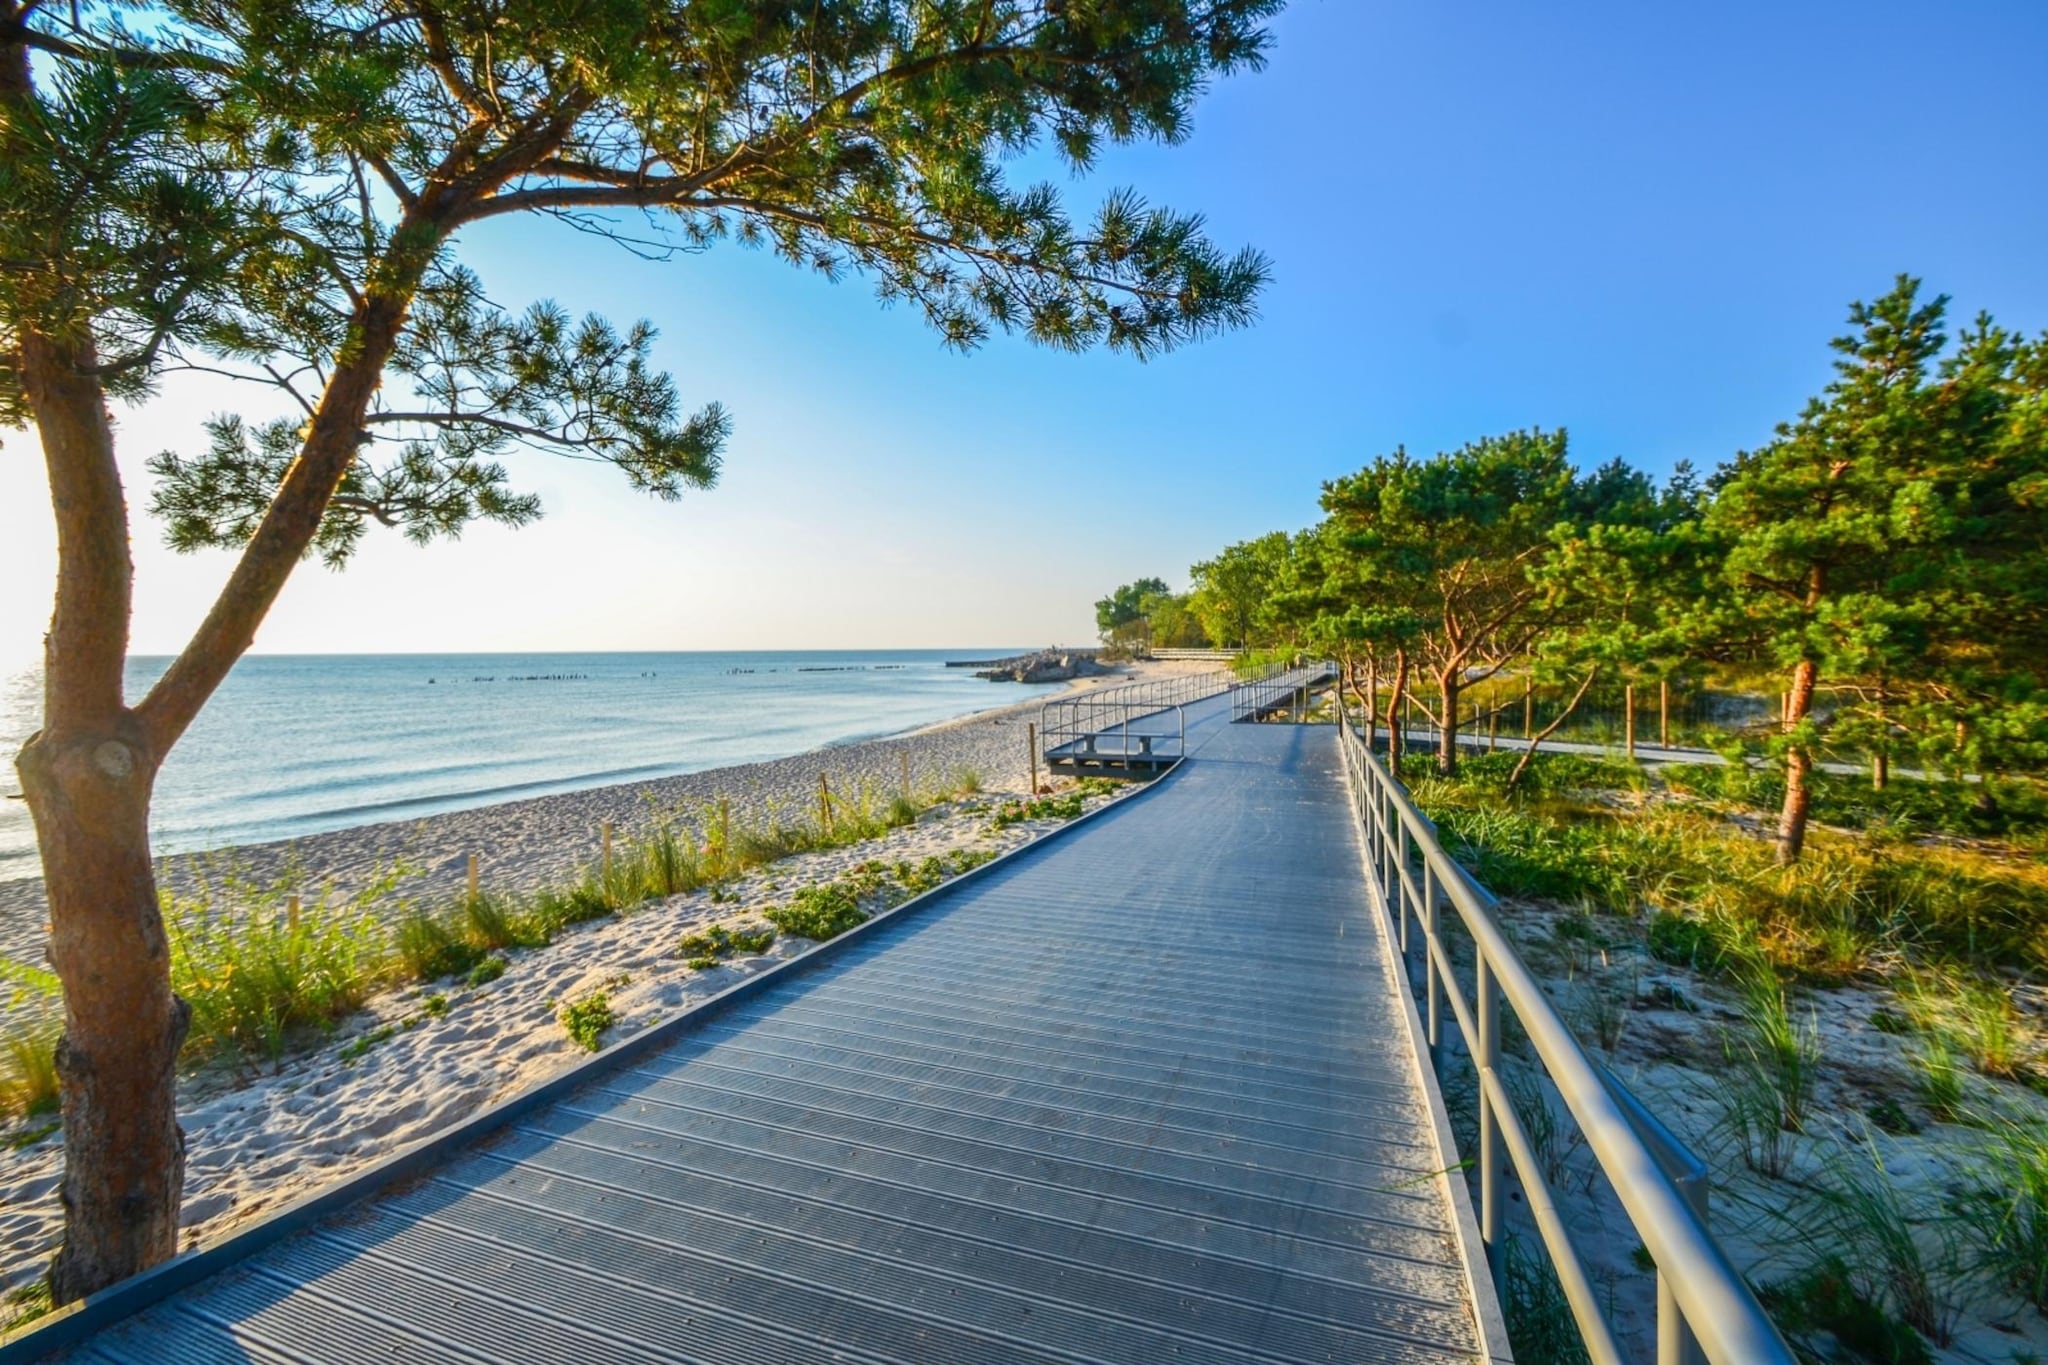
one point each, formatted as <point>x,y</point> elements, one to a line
<point>25,1305</point>
<point>819,912</point>
<point>1825,1298</point>
<point>1902,1256</point>
<point>1940,1078</point>
<point>487,971</point>
<point>2008,1226</point>
<point>361,1047</point>
<point>1065,807</point>
<point>1773,1061</point>
<point>967,781</point>
<point>708,946</point>
<point>902,812</point>
<point>587,1019</point>
<point>1539,1317</point>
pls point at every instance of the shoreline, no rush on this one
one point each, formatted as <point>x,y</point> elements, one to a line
<point>527,840</point>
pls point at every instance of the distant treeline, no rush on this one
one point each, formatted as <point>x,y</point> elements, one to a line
<point>1881,565</point>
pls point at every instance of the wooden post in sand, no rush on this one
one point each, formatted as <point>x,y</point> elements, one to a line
<point>291,913</point>
<point>724,828</point>
<point>1031,752</point>
<point>1664,712</point>
<point>904,754</point>
<point>1628,723</point>
<point>824,805</point>
<point>605,834</point>
<point>472,876</point>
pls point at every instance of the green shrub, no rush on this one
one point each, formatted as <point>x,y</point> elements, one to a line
<point>819,912</point>
<point>1063,807</point>
<point>587,1019</point>
<point>487,971</point>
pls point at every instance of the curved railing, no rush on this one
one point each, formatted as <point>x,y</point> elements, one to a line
<point>1278,687</point>
<point>1102,720</point>
<point>1703,1304</point>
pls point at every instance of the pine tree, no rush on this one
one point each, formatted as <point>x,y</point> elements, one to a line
<point>278,189</point>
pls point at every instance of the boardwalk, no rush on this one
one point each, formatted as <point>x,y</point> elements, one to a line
<point>1144,1093</point>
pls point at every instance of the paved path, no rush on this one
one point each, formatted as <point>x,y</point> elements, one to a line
<point>1144,1093</point>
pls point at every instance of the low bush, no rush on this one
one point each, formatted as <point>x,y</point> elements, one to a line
<point>586,1020</point>
<point>819,912</point>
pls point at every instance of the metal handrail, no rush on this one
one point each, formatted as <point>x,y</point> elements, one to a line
<point>1275,688</point>
<point>1086,715</point>
<point>1703,1304</point>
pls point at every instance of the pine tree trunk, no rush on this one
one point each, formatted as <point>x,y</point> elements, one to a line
<point>1397,736</point>
<point>1798,765</point>
<point>1447,724</point>
<point>87,777</point>
<point>124,1156</point>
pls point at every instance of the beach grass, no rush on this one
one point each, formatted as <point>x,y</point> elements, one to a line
<point>267,966</point>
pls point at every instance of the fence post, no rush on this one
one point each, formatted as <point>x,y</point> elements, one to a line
<point>1628,723</point>
<point>472,876</point>
<point>605,835</point>
<point>904,754</point>
<point>824,805</point>
<point>291,913</point>
<point>1031,752</point>
<point>1528,707</point>
<point>724,828</point>
<point>1664,712</point>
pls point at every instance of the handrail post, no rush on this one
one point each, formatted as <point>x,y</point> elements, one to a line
<point>1488,1060</point>
<point>1404,856</point>
<point>1432,988</point>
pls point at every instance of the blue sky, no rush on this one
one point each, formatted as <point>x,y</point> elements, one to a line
<point>1640,222</point>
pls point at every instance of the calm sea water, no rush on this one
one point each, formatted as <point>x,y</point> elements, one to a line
<point>298,744</point>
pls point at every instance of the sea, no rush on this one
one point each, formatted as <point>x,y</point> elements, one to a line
<point>293,745</point>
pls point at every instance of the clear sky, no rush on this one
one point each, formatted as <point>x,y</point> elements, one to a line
<point>1640,222</point>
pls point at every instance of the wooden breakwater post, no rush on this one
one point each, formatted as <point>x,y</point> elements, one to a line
<point>473,868</point>
<point>1031,753</point>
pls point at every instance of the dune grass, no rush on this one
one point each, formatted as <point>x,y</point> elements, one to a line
<point>268,966</point>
